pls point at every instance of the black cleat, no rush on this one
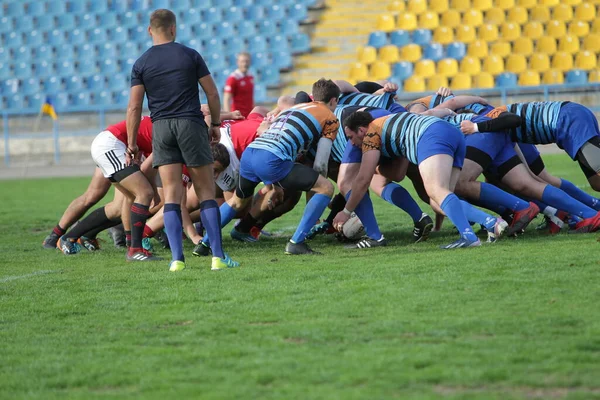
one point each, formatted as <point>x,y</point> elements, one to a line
<point>367,243</point>
<point>422,228</point>
<point>117,234</point>
<point>50,241</point>
<point>299,248</point>
<point>201,250</point>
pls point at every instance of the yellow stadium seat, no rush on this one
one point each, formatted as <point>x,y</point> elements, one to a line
<point>389,54</point>
<point>417,6</point>
<point>435,82</point>
<point>529,78</point>
<point>470,65</point>
<point>596,25</point>
<point>562,12</point>
<point>359,72</point>
<point>482,5</point>
<point>465,34</point>
<point>526,3</point>
<point>494,16</point>
<point>429,20</point>
<point>385,23</point>
<point>424,68</point>
<point>461,82</point>
<point>516,63</point>
<point>518,15</point>
<point>523,46</point>
<point>438,6</point>
<point>460,5</point>
<point>562,61</point>
<point>478,49</point>
<point>493,64</point>
<point>533,30</point>
<point>447,67</point>
<point>594,76</point>
<point>484,80</point>
<point>443,35</point>
<point>572,2</point>
<point>540,13</point>
<point>585,12</point>
<point>546,44</point>
<point>592,42</point>
<point>553,77</point>
<point>556,29</point>
<point>407,21</point>
<point>579,29</point>
<point>585,60</point>
<point>450,18</point>
<point>367,55</point>
<point>380,70</point>
<point>488,32</point>
<point>411,52</point>
<point>539,62</point>
<point>472,18</point>
<point>501,48</point>
<point>504,4</point>
<point>549,3</point>
<point>414,84</point>
<point>510,31</point>
<point>569,44</point>
<point>397,6</point>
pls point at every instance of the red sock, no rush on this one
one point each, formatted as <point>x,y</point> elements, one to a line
<point>58,230</point>
<point>148,232</point>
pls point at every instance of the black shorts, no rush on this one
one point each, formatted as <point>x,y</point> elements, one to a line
<point>588,157</point>
<point>180,141</point>
<point>301,178</point>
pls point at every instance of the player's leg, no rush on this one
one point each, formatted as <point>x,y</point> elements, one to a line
<point>588,158</point>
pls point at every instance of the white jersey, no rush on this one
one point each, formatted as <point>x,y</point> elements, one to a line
<point>228,179</point>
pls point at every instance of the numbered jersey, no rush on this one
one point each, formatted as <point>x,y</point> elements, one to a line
<point>297,130</point>
<point>228,179</point>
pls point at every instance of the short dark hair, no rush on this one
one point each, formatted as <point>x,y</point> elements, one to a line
<point>162,19</point>
<point>358,119</point>
<point>325,90</point>
<point>368,87</point>
<point>220,154</point>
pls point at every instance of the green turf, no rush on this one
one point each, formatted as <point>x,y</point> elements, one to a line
<point>517,319</point>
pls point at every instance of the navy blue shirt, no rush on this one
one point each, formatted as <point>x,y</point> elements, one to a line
<point>170,74</point>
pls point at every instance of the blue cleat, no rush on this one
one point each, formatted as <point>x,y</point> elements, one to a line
<point>243,236</point>
<point>147,245</point>
<point>68,246</point>
<point>461,243</point>
<point>219,264</point>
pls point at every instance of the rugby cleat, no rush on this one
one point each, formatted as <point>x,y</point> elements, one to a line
<point>147,244</point>
<point>324,228</point>
<point>176,266</point>
<point>367,243</point>
<point>461,243</point>
<point>587,225</point>
<point>201,250</point>
<point>50,241</point>
<point>242,236</point>
<point>499,228</point>
<point>219,264</point>
<point>89,244</point>
<point>68,246</point>
<point>422,228</point>
<point>140,254</point>
<point>522,218</point>
<point>118,236</point>
<point>298,249</point>
<point>256,232</point>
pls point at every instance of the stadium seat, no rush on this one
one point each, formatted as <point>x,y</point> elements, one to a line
<point>576,77</point>
<point>414,84</point>
<point>77,6</point>
<point>5,72</point>
<point>546,44</point>
<point>269,75</point>
<point>596,26</point>
<point>526,3</point>
<point>14,39</point>
<point>470,65</point>
<point>56,7</point>
<point>289,29</point>
<point>233,14</point>
<point>278,43</point>
<point>156,4</point>
<point>549,3</point>
<point>386,23</point>
<point>96,83</point>
<point>56,37</point>
<point>482,5</point>
<point>438,6</point>
<point>397,6</point>
<point>87,66</point>
<point>30,86</point>
<point>22,54</point>
<point>128,19</point>
<point>300,43</point>
<point>539,62</point>
<point>399,38</point>
<point>539,13</point>
<point>493,64</point>
<point>433,51</point>
<point>553,77</point>
<point>266,28</point>
<point>81,99</point>
<point>443,35</point>
<point>15,9</point>
<point>60,101</point>
<point>98,6</point>
<point>450,18</point>
<point>119,6</point>
<point>461,82</point>
<point>465,34</point>
<point>483,81</point>
<point>410,52</point>
<point>35,8</point>
<point>22,70</point>
<point>103,98</point>
<point>424,68</point>
<point>585,12</point>
<point>592,42</point>
<point>579,28</point>
<point>456,50</point>
<point>44,53</point>
<point>380,70</point>
<point>406,21</point>
<point>87,21</point>
<point>478,49</point>
<point>52,85</point>
<point>283,60</point>
<point>510,31</point>
<point>107,50</point>
<point>460,5</point>
<point>585,60</point>
<point>16,102</point>
<point>416,6</point>
<point>193,16</point>
<point>297,12</point>
<point>447,67</point>
<point>518,15</point>
<point>506,80</point>
<point>235,44</point>
<point>225,29</point>
<point>529,78</point>
<point>10,86</point>
<point>562,61</point>
<point>516,63</point>
<point>501,48</point>
<point>214,15</point>
<point>246,29</point>
<point>116,82</point>
<point>488,32</point>
<point>421,36</point>
<point>45,23</point>
<point>367,55</point>
<point>568,44</point>
<point>435,82</point>
<point>494,16</point>
<point>429,20</point>
<point>523,45</point>
<point>24,24</point>
<point>472,18</point>
<point>594,76</point>
<point>74,84</point>
<point>562,12</point>
<point>97,36</point>
<point>389,54</point>
<point>260,93</point>
<point>377,39</point>
<point>533,30</point>
<point>358,72</point>
<point>504,4</point>
<point>402,70</point>
<point>65,68</point>
<point>6,25</point>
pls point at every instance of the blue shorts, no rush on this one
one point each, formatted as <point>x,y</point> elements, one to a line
<point>259,165</point>
<point>575,126</point>
<point>442,138</point>
<point>494,152</point>
<point>394,108</point>
<point>352,154</point>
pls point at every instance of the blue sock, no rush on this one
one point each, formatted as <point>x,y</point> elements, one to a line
<point>364,211</point>
<point>398,196</point>
<point>452,207</point>
<point>541,205</point>
<point>474,214</point>
<point>314,208</point>
<point>211,219</point>
<point>227,214</point>
<point>173,227</point>
<point>562,201</point>
<point>497,208</point>
<point>579,194</point>
<point>490,195</point>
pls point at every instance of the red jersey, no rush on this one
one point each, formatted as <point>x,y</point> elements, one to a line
<point>243,132</point>
<point>241,88</point>
<point>144,137</point>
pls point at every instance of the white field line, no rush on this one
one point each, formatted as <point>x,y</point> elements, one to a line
<point>14,278</point>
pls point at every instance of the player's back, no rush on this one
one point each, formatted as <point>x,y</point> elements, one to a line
<point>539,121</point>
<point>384,100</point>
<point>401,133</point>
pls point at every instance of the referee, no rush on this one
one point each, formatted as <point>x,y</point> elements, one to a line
<point>168,74</point>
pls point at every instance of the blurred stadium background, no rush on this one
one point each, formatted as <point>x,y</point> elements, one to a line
<point>78,54</point>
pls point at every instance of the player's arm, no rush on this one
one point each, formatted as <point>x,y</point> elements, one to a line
<point>501,123</point>
<point>322,156</point>
<point>389,87</point>
<point>361,182</point>
<point>345,86</point>
<point>438,112</point>
<point>458,102</point>
<point>228,93</point>
<point>134,116</point>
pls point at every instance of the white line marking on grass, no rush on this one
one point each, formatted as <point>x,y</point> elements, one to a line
<point>14,278</point>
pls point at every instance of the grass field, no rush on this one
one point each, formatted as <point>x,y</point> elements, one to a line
<point>516,319</point>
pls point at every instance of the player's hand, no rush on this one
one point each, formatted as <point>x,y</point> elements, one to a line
<point>274,197</point>
<point>236,115</point>
<point>467,127</point>
<point>215,134</point>
<point>444,91</point>
<point>132,155</point>
<point>390,87</point>
<point>205,109</point>
<point>340,219</point>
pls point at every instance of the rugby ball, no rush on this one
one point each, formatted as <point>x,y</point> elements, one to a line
<point>353,229</point>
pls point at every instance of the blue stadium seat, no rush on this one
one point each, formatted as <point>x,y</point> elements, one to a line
<point>35,38</point>
<point>36,8</point>
<point>85,51</point>
<point>191,16</point>
<point>4,55</point>
<point>108,20</point>
<point>30,86</point>
<point>56,38</point>
<point>433,51</point>
<point>5,72</point>
<point>201,4</point>
<point>96,83</point>
<point>233,14</point>
<point>215,61</point>
<point>180,5</point>
<point>300,43</point>
<point>103,98</point>
<point>74,84</point>
<point>506,79</point>
<point>156,4</point>
<point>260,93</point>
<point>275,13</point>
<point>402,70</point>
<point>269,75</point>
<point>107,50</point>
<point>399,38</point>
<point>297,12</point>
<point>225,29</point>
<point>456,50</point>
<point>43,69</point>
<point>244,3</point>
<point>118,82</point>
<point>256,13</point>
<point>377,39</point>
<point>97,36</point>
<point>137,5</point>
<point>576,76</point>
<point>15,9</point>
<point>119,6</point>
<point>108,67</point>
<point>138,34</point>
<point>222,3</point>
<point>288,29</point>
<point>246,29</point>
<point>234,44</point>
<point>77,6</point>
<point>6,25</point>
<point>257,44</point>
<point>76,36</point>
<point>282,60</point>
<point>184,32</point>
<point>86,66</point>
<point>212,14</point>
<point>35,100</point>
<point>22,54</point>
<point>278,43</point>
<point>98,6</point>
<point>56,7</point>
<point>87,21</point>
<point>64,52</point>
<point>421,36</point>
<point>64,68</point>
<point>22,70</point>
<point>126,64</point>
<point>44,53</point>
<point>45,22</point>
<point>122,98</point>
<point>260,60</point>
<point>195,44</point>
<point>16,102</point>
<point>81,99</point>
<point>52,85</point>
<point>10,86</point>
<point>118,35</point>
<point>14,39</point>
<point>204,30</point>
<point>24,23</point>
<point>129,19</point>
<point>66,22</point>
<point>267,28</point>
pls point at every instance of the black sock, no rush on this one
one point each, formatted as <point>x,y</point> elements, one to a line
<point>95,219</point>
<point>337,204</point>
<point>128,239</point>
<point>139,215</point>
<point>58,230</point>
<point>91,234</point>
<point>246,223</point>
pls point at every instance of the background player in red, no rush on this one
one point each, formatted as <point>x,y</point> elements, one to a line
<point>239,87</point>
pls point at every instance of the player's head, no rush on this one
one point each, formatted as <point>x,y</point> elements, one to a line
<point>285,102</point>
<point>163,24</point>
<point>356,125</point>
<point>326,91</point>
<point>220,157</point>
<point>243,61</point>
